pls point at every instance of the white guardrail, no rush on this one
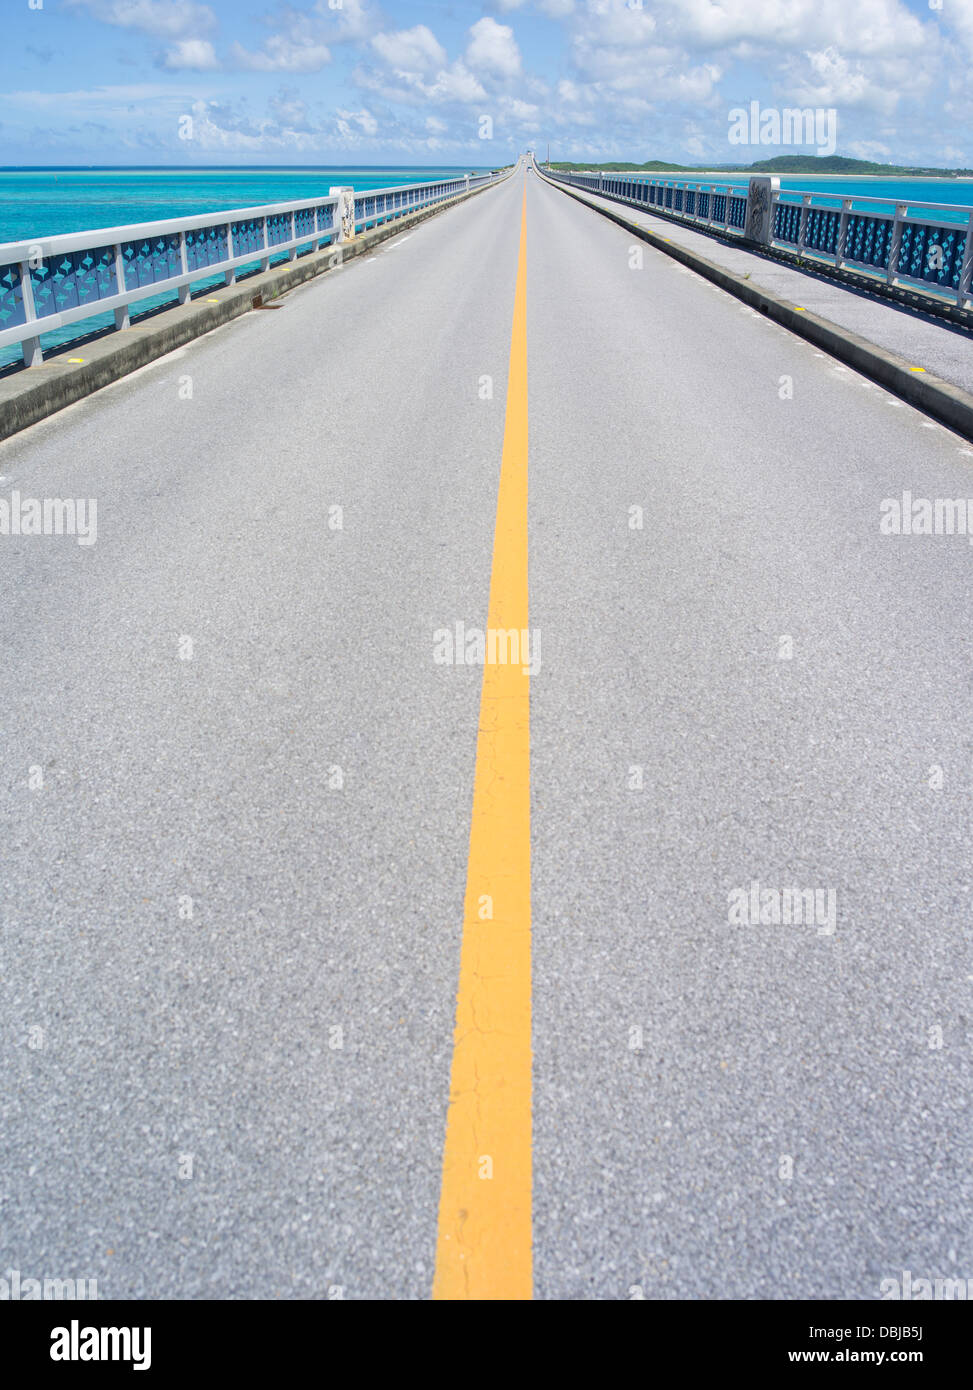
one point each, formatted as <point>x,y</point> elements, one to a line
<point>905,244</point>
<point>50,282</point>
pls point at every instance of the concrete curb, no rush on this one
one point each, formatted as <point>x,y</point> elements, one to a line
<point>38,392</point>
<point>950,405</point>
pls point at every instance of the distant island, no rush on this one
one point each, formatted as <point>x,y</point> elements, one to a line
<point>781,164</point>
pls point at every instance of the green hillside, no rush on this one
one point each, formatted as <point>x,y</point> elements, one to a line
<point>780,164</point>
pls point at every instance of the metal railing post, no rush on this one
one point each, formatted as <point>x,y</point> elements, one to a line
<point>891,270</point>
<point>31,347</point>
<point>230,255</point>
<point>966,268</point>
<point>265,259</point>
<point>184,290</point>
<point>805,217</point>
<point>839,250</point>
<point>122,317</point>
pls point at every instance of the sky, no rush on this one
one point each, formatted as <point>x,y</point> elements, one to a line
<point>443,82</point>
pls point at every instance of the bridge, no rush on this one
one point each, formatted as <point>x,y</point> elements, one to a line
<point>486,802</point>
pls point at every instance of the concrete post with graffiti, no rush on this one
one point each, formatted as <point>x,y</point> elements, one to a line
<point>760,208</point>
<point>344,213</point>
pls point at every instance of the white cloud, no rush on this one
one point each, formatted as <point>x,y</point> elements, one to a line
<point>411,50</point>
<point>522,110</point>
<point>456,84</point>
<point>104,99</point>
<point>347,121</point>
<point>195,54</point>
<point>290,112</point>
<point>870,149</point>
<point>221,127</point>
<point>283,54</point>
<point>865,27</point>
<point>826,78</point>
<point>554,9</point>
<point>958,17</point>
<point>350,22</point>
<point>303,39</point>
<point>169,19</point>
<point>453,86</point>
<point>493,49</point>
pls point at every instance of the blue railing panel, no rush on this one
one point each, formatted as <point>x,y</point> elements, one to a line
<point>787,222</point>
<point>738,212</point>
<point>73,279</point>
<point>868,240</point>
<point>148,262</point>
<point>248,237</point>
<point>822,230</point>
<point>304,222</point>
<point>932,254</point>
<point>12,309</point>
<point>279,229</point>
<point>206,246</point>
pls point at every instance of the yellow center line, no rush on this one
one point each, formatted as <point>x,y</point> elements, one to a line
<point>484,1244</point>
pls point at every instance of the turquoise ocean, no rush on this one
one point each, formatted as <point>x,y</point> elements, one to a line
<point>47,202</point>
<point>51,201</point>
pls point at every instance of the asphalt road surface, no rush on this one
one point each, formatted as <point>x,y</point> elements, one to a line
<point>237,784</point>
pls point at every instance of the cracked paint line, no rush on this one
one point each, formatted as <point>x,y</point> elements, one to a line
<point>484,1241</point>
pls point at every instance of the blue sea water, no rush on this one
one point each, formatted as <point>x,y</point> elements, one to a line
<point>37,203</point>
<point>48,202</point>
